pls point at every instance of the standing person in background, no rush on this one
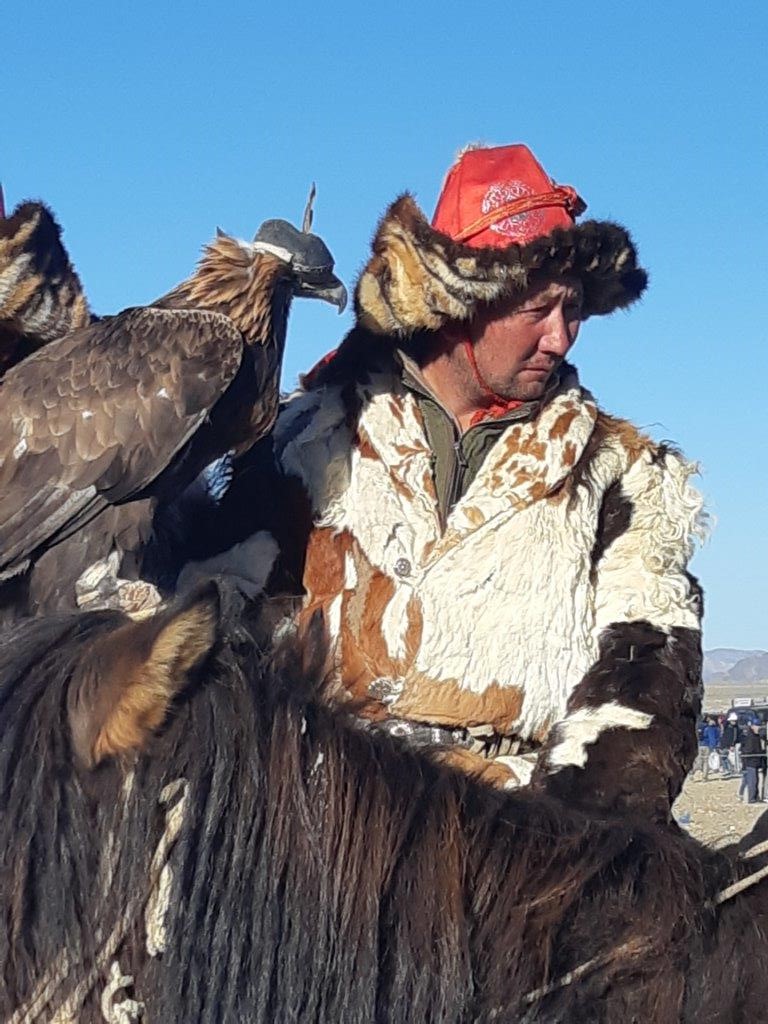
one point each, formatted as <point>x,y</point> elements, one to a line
<point>709,742</point>
<point>728,743</point>
<point>752,755</point>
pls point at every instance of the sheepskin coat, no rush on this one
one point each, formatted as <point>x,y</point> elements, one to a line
<point>574,526</point>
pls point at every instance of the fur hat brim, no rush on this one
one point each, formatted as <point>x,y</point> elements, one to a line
<point>420,279</point>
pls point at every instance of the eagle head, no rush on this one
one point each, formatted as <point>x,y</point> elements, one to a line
<point>309,258</point>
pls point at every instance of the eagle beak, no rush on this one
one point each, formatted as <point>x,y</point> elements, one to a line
<point>321,285</point>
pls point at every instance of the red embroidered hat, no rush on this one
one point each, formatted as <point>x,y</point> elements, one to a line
<point>501,224</point>
<point>499,196</point>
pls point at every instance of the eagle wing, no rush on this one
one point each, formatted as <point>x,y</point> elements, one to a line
<point>94,418</point>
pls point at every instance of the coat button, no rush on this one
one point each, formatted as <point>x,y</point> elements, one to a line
<point>402,567</point>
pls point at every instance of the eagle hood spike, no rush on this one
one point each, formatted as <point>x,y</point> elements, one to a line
<point>306,224</point>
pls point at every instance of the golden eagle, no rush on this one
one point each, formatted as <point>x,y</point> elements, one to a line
<point>103,426</point>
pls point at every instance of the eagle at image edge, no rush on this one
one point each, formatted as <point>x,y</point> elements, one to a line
<point>106,425</point>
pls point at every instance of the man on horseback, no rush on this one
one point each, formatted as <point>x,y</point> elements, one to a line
<point>502,566</point>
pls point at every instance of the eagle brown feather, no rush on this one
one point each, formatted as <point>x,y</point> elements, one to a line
<point>132,408</point>
<point>229,280</point>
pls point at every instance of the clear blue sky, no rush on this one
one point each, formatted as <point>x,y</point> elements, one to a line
<point>144,125</point>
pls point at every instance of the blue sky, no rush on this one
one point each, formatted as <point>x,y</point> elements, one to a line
<point>144,125</point>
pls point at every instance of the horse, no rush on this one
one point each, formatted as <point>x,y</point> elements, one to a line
<point>191,830</point>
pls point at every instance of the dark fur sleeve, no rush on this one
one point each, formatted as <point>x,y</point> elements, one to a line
<point>632,719</point>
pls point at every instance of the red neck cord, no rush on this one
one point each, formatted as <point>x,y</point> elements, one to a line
<point>497,406</point>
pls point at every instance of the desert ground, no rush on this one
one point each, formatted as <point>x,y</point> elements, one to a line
<point>712,811</point>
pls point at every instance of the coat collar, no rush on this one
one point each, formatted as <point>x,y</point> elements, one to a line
<point>529,462</point>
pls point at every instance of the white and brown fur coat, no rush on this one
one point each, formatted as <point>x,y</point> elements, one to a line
<point>556,606</point>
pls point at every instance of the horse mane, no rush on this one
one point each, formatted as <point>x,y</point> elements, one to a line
<point>57,888</point>
<point>327,873</point>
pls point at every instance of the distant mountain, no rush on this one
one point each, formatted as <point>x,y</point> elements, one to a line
<point>749,669</point>
<point>730,665</point>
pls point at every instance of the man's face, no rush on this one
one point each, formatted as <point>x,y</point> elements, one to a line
<point>518,347</point>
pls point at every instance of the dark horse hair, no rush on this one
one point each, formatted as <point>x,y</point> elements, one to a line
<point>322,872</point>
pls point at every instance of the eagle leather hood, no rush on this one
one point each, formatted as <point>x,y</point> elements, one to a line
<point>418,279</point>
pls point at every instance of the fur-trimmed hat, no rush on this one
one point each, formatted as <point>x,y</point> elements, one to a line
<point>501,224</point>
